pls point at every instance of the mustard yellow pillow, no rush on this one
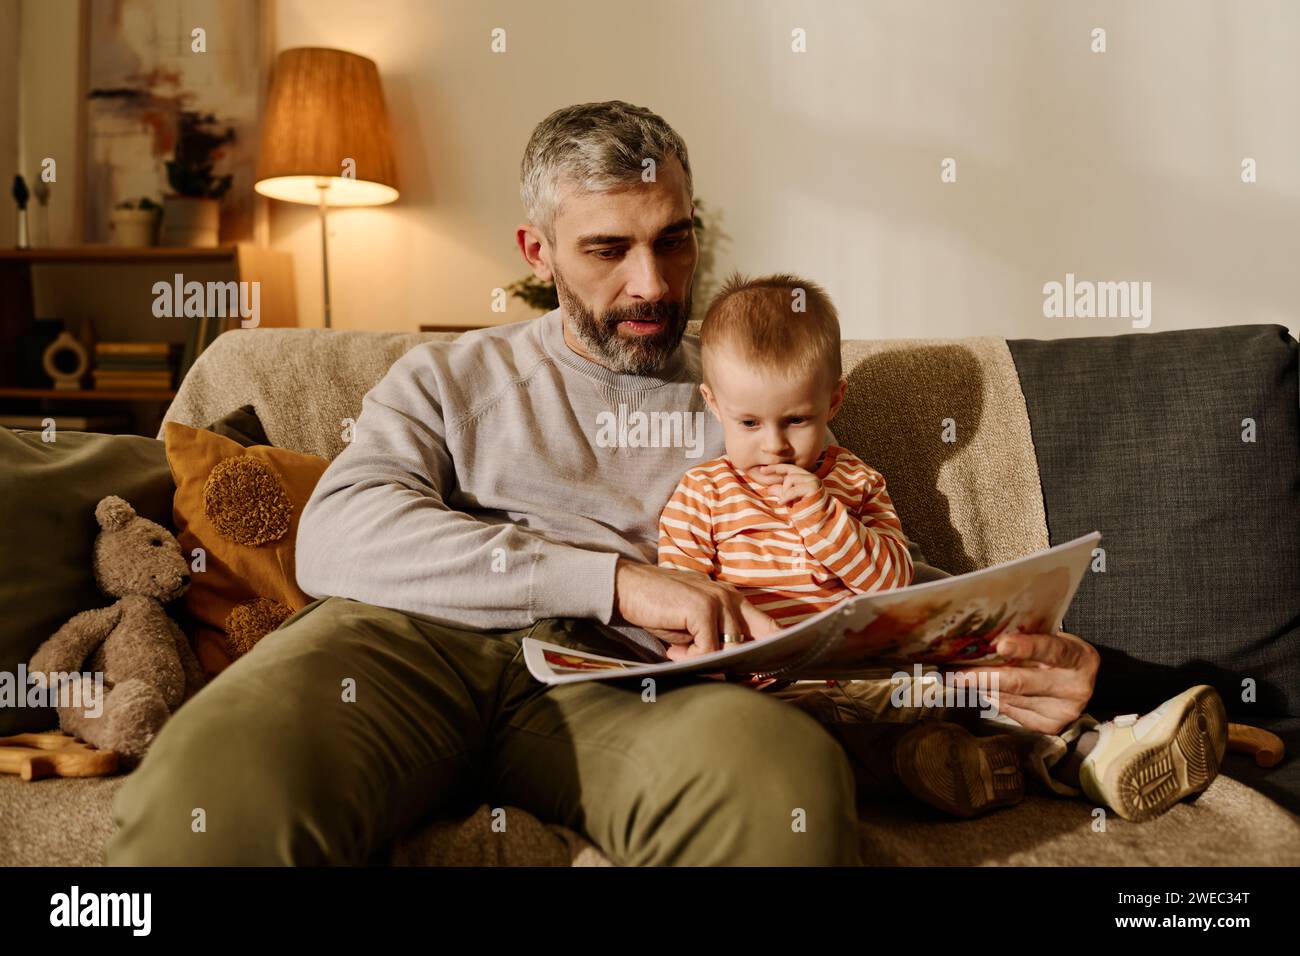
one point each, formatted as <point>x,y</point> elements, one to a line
<point>241,507</point>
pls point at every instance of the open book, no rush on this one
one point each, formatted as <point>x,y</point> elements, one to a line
<point>951,621</point>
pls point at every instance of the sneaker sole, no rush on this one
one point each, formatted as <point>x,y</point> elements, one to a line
<point>1181,761</point>
<point>956,772</point>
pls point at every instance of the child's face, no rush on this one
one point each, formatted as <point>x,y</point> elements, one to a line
<point>768,419</point>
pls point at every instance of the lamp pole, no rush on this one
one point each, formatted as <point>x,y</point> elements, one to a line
<point>322,185</point>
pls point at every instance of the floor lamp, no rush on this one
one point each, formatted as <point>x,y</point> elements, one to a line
<point>326,140</point>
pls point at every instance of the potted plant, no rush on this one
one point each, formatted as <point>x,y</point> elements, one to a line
<point>134,222</point>
<point>192,215</point>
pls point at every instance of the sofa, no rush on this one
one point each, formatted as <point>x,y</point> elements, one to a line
<point>1182,448</point>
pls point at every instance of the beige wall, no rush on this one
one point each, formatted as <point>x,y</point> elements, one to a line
<point>49,106</point>
<point>1114,167</point>
<point>9,27</point>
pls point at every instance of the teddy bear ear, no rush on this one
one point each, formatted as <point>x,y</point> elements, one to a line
<point>113,513</point>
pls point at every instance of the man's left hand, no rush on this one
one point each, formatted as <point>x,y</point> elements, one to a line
<point>1049,682</point>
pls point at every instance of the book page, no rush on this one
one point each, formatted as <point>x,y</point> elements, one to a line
<point>953,621</point>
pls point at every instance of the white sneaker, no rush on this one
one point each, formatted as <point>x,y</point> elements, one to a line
<point>1142,766</point>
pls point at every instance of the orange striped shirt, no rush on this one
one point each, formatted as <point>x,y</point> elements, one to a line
<point>795,560</point>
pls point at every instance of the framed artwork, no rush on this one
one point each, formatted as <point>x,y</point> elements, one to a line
<point>152,67</point>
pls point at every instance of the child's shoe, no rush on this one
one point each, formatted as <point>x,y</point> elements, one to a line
<point>955,771</point>
<point>1142,766</point>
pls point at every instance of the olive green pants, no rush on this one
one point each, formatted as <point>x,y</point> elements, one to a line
<point>352,723</point>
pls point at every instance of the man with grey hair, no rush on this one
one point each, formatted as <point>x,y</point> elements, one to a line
<point>594,149</point>
<point>476,507</point>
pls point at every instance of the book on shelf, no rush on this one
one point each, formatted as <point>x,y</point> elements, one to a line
<point>135,365</point>
<point>135,348</point>
<point>128,364</point>
<point>124,365</point>
<point>150,382</point>
<point>165,380</point>
<point>160,373</point>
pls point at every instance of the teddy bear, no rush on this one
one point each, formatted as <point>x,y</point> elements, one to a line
<point>147,664</point>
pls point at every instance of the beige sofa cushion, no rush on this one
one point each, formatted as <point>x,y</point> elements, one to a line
<point>968,503</point>
<point>59,822</point>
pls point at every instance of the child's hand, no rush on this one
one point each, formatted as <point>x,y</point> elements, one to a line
<point>795,482</point>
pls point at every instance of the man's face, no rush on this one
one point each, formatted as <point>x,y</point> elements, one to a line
<point>622,262</point>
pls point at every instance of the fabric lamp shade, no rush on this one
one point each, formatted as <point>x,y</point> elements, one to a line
<point>326,137</point>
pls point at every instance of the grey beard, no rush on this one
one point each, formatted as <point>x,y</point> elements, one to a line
<point>626,357</point>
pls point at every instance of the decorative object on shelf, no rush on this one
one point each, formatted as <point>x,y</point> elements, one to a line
<point>192,215</point>
<point>20,197</point>
<point>135,222</point>
<point>140,73</point>
<point>326,140</point>
<point>66,362</point>
<point>541,295</point>
<point>191,221</point>
<point>87,337</point>
<point>31,346</point>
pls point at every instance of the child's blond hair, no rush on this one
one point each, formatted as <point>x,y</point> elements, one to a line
<point>780,323</point>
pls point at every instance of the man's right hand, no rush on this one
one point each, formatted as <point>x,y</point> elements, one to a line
<point>689,611</point>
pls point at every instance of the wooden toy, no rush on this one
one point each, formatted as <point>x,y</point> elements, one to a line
<point>54,754</point>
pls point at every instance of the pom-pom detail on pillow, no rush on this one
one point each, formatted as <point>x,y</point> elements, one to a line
<point>250,621</point>
<point>246,502</point>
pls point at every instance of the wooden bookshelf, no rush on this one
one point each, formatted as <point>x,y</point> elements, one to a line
<point>107,284</point>
<point>104,253</point>
<point>96,394</point>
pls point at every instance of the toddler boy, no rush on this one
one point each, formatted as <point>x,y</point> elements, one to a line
<point>798,525</point>
<point>794,523</point>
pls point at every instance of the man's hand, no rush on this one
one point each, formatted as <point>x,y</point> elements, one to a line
<point>795,482</point>
<point>689,611</point>
<point>1050,682</point>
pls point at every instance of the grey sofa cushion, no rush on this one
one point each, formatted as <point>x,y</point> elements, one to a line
<point>48,493</point>
<point>1140,437</point>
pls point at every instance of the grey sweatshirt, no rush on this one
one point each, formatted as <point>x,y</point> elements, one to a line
<point>495,480</point>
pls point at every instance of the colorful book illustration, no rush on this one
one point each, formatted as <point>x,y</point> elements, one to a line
<point>950,622</point>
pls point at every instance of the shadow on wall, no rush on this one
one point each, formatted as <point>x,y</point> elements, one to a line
<point>892,418</point>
